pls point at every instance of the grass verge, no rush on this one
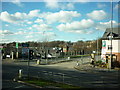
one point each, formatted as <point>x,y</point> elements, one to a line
<point>48,84</point>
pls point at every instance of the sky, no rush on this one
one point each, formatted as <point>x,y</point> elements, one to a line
<point>53,20</point>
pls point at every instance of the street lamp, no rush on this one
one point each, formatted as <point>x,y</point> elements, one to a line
<point>111,34</point>
<point>97,43</point>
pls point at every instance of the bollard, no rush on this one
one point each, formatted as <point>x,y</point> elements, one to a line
<point>38,62</point>
<point>68,58</point>
<point>20,73</point>
<point>12,55</point>
<point>17,55</point>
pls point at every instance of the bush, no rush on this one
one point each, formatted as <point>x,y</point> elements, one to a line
<point>99,62</point>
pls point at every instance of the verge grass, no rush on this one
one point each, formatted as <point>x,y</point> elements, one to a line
<point>47,83</point>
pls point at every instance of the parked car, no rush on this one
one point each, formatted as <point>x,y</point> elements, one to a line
<point>48,56</point>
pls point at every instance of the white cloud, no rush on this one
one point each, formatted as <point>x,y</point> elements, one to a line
<point>55,4</point>
<point>17,2</point>
<point>86,31</point>
<point>5,16</point>
<point>50,34</point>
<point>66,6</point>
<point>84,1</point>
<point>76,26</point>
<point>29,22</point>
<point>38,21</point>
<point>30,28</point>
<point>17,17</point>
<point>6,25</point>
<point>61,16</point>
<point>42,27</point>
<point>89,32</point>
<point>51,4</point>
<point>77,31</point>
<point>34,13</point>
<point>20,33</point>
<point>104,25</point>
<point>101,5</point>
<point>70,6</point>
<point>47,36</point>
<point>6,32</point>
<point>97,15</point>
<point>3,40</point>
<point>29,36</point>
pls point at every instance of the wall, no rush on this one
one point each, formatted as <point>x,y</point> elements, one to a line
<point>115,44</point>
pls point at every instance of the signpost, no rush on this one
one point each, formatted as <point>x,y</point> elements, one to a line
<point>25,50</point>
<point>25,54</point>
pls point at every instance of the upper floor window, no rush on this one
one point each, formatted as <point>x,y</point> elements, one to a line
<point>110,47</point>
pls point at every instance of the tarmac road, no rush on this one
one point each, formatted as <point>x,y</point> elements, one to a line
<point>106,79</point>
<point>9,72</point>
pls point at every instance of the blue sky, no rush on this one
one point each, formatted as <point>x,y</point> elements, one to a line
<point>50,21</point>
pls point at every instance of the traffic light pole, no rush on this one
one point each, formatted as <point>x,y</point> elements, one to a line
<point>30,57</point>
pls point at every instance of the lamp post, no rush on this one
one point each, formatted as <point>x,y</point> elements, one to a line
<point>109,63</point>
<point>44,46</point>
<point>97,43</point>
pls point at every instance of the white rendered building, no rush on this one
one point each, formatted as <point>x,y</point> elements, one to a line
<point>106,44</point>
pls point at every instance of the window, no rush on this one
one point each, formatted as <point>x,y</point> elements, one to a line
<point>109,47</point>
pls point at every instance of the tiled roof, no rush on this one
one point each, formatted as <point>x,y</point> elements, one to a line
<point>115,33</point>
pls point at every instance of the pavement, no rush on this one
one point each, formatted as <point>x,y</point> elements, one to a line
<point>81,64</point>
<point>87,67</point>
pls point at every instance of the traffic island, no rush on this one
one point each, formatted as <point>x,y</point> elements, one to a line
<point>87,67</point>
<point>42,83</point>
<point>84,67</point>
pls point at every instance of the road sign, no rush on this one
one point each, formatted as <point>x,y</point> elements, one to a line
<point>25,45</point>
<point>103,44</point>
<point>25,52</point>
<point>16,45</point>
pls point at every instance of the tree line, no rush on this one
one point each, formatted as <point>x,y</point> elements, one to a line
<point>86,46</point>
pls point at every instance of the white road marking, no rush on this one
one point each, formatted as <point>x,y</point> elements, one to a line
<point>20,86</point>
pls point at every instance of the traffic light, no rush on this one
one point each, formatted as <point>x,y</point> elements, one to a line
<point>30,54</point>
